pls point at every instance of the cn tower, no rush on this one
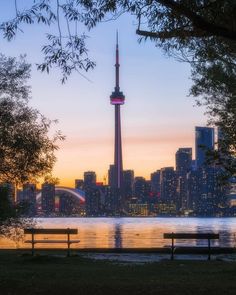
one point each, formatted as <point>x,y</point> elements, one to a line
<point>117,98</point>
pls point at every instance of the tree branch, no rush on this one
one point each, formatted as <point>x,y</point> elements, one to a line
<point>173,34</point>
<point>198,21</point>
<point>58,22</point>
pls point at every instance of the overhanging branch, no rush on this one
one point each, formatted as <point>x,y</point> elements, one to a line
<point>173,34</point>
<point>198,21</point>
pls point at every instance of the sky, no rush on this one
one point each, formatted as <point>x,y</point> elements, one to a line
<point>158,116</point>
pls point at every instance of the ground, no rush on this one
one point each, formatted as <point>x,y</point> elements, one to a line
<point>49,273</point>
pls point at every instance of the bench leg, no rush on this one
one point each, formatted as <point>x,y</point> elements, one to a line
<point>32,250</point>
<point>172,249</point>
<point>68,245</point>
<point>209,249</point>
<point>68,250</point>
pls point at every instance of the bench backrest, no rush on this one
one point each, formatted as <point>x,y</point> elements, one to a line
<point>50,231</point>
<point>195,236</point>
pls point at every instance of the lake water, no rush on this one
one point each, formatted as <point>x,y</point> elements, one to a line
<point>135,232</point>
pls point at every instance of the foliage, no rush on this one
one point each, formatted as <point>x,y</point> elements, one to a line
<point>215,84</point>
<point>173,25</point>
<point>26,150</point>
<point>12,216</point>
<point>52,180</point>
<point>201,32</point>
<point>6,208</point>
<point>13,76</point>
<point>66,50</point>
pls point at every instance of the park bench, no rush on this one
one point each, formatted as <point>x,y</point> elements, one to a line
<point>51,231</point>
<point>188,236</point>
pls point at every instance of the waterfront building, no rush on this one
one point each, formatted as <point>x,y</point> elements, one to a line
<point>92,196</point>
<point>141,189</point>
<point>66,204</point>
<point>128,184</point>
<point>93,203</point>
<point>183,160</point>
<point>48,198</point>
<point>168,185</point>
<point>156,183</point>
<point>9,189</point>
<point>138,209</point>
<point>111,176</point>
<point>204,142</point>
<point>79,184</point>
<point>181,193</point>
<point>231,193</point>
<point>193,189</point>
<point>29,197</point>
<point>211,199</point>
<point>166,208</point>
<point>109,200</point>
<point>90,179</point>
<point>69,201</point>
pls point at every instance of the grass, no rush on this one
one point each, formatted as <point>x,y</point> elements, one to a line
<point>47,274</point>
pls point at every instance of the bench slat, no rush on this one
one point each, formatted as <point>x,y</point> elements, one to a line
<point>52,241</point>
<point>50,231</point>
<point>191,236</point>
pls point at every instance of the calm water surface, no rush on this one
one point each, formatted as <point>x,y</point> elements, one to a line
<point>135,232</point>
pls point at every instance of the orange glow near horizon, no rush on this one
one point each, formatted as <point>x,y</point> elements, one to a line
<point>144,155</point>
<point>156,119</point>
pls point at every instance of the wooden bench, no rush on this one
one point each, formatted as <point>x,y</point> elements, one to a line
<point>51,231</point>
<point>187,236</point>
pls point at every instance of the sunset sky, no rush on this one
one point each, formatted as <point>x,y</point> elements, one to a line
<point>158,116</point>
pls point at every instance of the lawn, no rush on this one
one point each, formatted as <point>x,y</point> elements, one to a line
<point>47,274</point>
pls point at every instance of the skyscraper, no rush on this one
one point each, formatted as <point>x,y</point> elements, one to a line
<point>90,179</point>
<point>204,141</point>
<point>168,184</point>
<point>117,98</point>
<point>29,196</point>
<point>141,189</point>
<point>48,198</point>
<point>128,183</point>
<point>156,182</point>
<point>183,159</point>
<point>9,189</point>
<point>111,176</point>
<point>79,183</point>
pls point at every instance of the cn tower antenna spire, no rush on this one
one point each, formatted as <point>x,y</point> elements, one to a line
<point>117,38</point>
<point>117,65</point>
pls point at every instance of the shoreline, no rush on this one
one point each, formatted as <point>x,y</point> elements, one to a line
<point>164,250</point>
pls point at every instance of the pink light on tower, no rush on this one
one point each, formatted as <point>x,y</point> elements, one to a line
<point>117,98</point>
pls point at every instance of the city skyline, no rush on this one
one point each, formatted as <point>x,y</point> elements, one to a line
<point>194,153</point>
<point>158,117</point>
<point>190,189</point>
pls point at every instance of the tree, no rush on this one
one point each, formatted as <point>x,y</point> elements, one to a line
<point>201,32</point>
<point>26,150</point>
<point>172,24</point>
<point>12,216</point>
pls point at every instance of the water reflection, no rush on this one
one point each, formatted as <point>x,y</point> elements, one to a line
<point>136,232</point>
<point>118,236</point>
